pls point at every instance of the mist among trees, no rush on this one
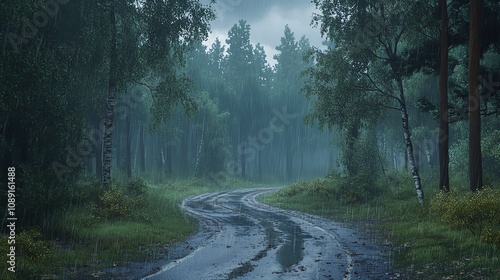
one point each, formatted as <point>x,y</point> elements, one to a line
<point>108,91</point>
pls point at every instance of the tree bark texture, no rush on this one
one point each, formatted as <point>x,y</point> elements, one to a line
<point>475,159</point>
<point>444,179</point>
<point>110,103</point>
<point>408,142</point>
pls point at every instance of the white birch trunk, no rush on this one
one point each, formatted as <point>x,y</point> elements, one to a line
<point>198,155</point>
<point>409,144</point>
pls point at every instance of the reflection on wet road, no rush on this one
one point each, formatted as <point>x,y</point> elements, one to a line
<point>251,240</point>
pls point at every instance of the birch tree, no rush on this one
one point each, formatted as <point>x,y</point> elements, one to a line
<point>376,37</point>
<point>161,32</point>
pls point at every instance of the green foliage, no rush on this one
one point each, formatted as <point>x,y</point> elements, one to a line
<point>137,186</point>
<point>477,212</point>
<point>355,189</point>
<point>321,188</point>
<point>362,160</point>
<point>154,222</point>
<point>33,246</point>
<point>33,252</point>
<point>114,204</point>
<point>399,185</point>
<point>86,192</point>
<point>459,157</point>
<point>349,189</point>
<point>491,236</point>
<point>292,190</point>
<point>423,246</point>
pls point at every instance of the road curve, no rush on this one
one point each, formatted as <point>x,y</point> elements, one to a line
<point>245,239</point>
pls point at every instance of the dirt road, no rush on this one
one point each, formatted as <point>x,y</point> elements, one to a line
<point>240,238</point>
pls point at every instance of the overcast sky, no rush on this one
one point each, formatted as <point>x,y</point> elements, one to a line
<point>267,20</point>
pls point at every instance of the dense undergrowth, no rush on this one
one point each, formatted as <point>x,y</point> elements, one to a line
<point>450,236</point>
<point>131,221</point>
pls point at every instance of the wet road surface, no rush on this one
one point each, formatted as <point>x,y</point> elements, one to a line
<point>240,238</point>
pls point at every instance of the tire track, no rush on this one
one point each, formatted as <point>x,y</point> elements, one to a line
<point>252,240</point>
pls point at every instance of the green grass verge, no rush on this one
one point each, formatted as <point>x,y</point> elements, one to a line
<point>77,239</point>
<point>423,246</point>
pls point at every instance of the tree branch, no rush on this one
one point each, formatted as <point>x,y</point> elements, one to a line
<point>151,88</point>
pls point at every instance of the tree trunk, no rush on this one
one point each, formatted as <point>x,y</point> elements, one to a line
<point>3,152</point>
<point>350,151</point>
<point>142,152</point>
<point>168,151</point>
<point>200,148</point>
<point>110,103</point>
<point>259,155</point>
<point>243,159</point>
<point>444,178</point>
<point>428,152</point>
<point>409,144</point>
<point>128,160</point>
<point>406,160</point>
<point>288,160</point>
<point>98,153</point>
<point>89,166</point>
<point>475,159</point>
<point>117,160</point>
<point>159,153</point>
<point>162,160</point>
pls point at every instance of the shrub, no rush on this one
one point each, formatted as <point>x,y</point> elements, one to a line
<point>478,212</point>
<point>113,203</point>
<point>32,253</point>
<point>459,159</point>
<point>33,246</point>
<point>85,192</point>
<point>491,236</point>
<point>359,188</point>
<point>292,190</point>
<point>136,186</point>
<point>321,188</point>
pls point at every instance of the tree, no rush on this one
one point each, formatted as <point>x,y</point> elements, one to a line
<point>475,159</point>
<point>168,30</point>
<point>110,100</point>
<point>341,102</point>
<point>444,180</point>
<point>41,120</point>
<point>286,92</point>
<point>376,37</point>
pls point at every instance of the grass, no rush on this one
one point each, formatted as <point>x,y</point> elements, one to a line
<point>423,246</point>
<point>80,240</point>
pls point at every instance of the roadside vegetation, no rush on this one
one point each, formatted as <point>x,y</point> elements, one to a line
<point>130,222</point>
<point>450,236</point>
<point>108,90</point>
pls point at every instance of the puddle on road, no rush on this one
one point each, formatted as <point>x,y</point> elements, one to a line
<point>292,251</point>
<point>291,238</point>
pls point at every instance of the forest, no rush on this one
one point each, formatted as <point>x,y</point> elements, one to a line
<point>112,112</point>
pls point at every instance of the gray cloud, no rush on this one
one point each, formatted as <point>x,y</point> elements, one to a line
<point>267,19</point>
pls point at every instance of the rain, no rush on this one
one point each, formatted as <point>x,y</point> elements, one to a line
<point>238,139</point>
